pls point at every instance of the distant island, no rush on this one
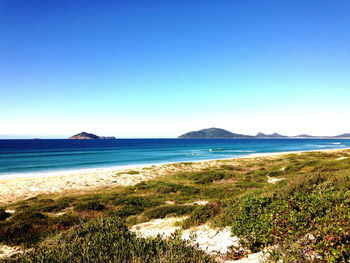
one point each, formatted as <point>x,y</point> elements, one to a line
<point>273,135</point>
<point>217,133</point>
<point>88,136</point>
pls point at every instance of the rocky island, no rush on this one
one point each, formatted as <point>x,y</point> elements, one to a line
<point>88,136</point>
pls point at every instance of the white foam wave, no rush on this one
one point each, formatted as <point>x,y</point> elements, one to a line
<point>242,151</point>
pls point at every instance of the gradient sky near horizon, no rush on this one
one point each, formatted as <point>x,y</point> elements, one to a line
<point>162,68</point>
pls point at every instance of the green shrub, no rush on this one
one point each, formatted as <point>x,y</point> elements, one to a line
<point>207,177</point>
<point>133,205</point>
<point>142,186</point>
<point>231,168</point>
<point>109,240</point>
<point>264,221</point>
<point>186,190</point>
<point>127,211</point>
<point>202,214</point>
<point>165,190</point>
<point>248,184</point>
<point>139,201</point>
<point>29,217</point>
<point>18,233</point>
<point>56,205</point>
<point>167,187</point>
<point>89,205</point>
<point>133,172</point>
<point>187,163</point>
<point>252,224</point>
<point>66,220</point>
<point>275,173</point>
<point>25,228</point>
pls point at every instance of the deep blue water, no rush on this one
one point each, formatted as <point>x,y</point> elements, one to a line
<point>36,156</point>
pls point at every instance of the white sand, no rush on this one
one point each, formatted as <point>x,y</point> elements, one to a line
<point>271,180</point>
<point>6,251</point>
<point>342,158</point>
<point>213,241</point>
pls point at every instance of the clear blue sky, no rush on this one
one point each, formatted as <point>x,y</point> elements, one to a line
<point>160,68</point>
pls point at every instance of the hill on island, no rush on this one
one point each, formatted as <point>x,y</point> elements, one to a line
<point>88,136</point>
<point>305,136</point>
<point>212,133</point>
<point>273,135</point>
<point>345,135</point>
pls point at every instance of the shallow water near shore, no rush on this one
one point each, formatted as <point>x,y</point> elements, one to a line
<point>47,156</point>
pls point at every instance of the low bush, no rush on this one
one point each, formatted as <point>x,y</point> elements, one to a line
<point>109,240</point>
<point>127,211</point>
<point>275,173</point>
<point>207,177</point>
<point>202,214</point>
<point>189,191</point>
<point>18,233</point>
<point>56,205</point>
<point>29,217</point>
<point>264,221</point>
<point>66,220</point>
<point>89,205</point>
<point>132,205</point>
<point>133,172</point>
<point>142,186</point>
<point>139,201</point>
<point>231,168</point>
<point>165,188</point>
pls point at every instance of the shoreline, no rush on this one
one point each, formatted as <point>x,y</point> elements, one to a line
<point>15,189</point>
<point>68,172</point>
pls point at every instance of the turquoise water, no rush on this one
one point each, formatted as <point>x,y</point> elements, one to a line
<point>42,156</point>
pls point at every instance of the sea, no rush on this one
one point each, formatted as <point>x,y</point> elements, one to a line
<point>40,157</point>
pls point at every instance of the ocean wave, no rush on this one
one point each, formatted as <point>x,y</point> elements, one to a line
<point>242,151</point>
<point>230,151</point>
<point>217,150</point>
<point>318,146</point>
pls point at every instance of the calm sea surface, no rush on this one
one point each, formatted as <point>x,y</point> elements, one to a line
<point>39,156</point>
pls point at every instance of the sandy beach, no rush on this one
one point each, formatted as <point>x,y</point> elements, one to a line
<point>20,188</point>
<point>16,189</point>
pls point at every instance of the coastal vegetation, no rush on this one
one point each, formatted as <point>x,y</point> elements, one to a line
<point>295,207</point>
<point>109,240</point>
